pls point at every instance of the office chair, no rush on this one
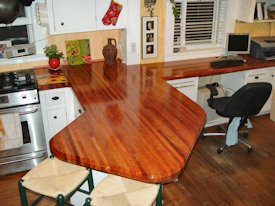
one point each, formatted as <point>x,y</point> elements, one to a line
<point>246,102</point>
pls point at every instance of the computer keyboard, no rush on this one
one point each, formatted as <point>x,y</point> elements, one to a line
<point>227,63</point>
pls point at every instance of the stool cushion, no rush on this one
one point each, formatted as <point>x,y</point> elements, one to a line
<point>52,177</point>
<point>118,191</point>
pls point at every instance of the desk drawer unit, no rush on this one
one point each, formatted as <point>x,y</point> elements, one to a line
<point>187,86</point>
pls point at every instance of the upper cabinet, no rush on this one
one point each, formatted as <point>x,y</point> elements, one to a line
<point>70,16</point>
<point>251,10</point>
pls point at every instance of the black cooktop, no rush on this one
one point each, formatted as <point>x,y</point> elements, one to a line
<point>17,81</point>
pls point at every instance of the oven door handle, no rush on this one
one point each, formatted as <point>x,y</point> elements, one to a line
<point>20,113</point>
<point>29,112</point>
<point>23,159</point>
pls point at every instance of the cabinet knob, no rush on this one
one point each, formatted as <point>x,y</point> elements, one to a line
<point>257,77</point>
<point>55,117</point>
<point>55,98</point>
<point>80,111</point>
<point>62,23</point>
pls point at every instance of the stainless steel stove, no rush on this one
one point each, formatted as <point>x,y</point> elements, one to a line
<point>19,93</point>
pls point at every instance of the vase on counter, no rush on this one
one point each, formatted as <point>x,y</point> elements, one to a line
<point>110,52</point>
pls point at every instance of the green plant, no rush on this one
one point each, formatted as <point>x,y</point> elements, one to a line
<point>52,52</point>
<point>175,10</point>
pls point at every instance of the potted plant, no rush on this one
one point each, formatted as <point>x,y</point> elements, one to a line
<point>54,56</point>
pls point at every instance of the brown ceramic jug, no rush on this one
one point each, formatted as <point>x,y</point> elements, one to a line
<point>110,52</point>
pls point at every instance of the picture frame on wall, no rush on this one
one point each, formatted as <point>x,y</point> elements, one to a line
<point>3,46</point>
<point>149,37</point>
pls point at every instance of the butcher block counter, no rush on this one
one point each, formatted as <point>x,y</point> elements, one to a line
<point>135,125</point>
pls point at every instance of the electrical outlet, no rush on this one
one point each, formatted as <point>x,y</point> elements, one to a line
<point>133,48</point>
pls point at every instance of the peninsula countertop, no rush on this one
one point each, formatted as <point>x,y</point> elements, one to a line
<point>134,125</point>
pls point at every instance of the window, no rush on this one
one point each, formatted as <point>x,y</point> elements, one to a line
<point>200,25</point>
<point>24,30</point>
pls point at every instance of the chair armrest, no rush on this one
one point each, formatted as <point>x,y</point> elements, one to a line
<point>213,92</point>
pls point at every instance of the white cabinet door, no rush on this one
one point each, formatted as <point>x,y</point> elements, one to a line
<point>67,16</point>
<point>103,7</point>
<point>187,86</point>
<point>57,120</point>
<point>78,110</point>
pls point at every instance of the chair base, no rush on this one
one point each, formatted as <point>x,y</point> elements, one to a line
<point>241,133</point>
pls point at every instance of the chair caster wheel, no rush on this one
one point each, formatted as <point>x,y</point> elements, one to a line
<point>219,151</point>
<point>249,149</point>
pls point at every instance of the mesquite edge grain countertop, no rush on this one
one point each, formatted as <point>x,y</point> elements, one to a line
<point>135,124</point>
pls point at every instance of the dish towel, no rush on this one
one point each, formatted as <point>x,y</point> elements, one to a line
<point>232,132</point>
<point>10,131</point>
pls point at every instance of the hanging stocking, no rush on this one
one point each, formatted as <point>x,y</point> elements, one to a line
<point>112,14</point>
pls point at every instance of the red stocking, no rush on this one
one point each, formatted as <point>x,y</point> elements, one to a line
<point>112,14</point>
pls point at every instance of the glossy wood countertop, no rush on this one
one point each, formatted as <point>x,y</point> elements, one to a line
<point>134,125</point>
<point>202,67</point>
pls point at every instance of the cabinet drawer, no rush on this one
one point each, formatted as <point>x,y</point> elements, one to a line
<point>55,98</point>
<point>57,120</point>
<point>256,76</point>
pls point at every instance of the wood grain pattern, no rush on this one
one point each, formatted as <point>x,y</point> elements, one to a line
<point>135,125</point>
<point>201,67</point>
<point>233,178</point>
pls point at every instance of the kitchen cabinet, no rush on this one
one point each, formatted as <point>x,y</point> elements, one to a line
<point>70,16</point>
<point>59,108</point>
<point>78,110</point>
<point>187,86</point>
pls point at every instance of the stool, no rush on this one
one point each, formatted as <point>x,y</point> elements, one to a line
<point>56,179</point>
<point>118,191</point>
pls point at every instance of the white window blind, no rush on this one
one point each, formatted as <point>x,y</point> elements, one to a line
<point>200,22</point>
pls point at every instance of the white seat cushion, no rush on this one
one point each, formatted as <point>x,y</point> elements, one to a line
<point>118,191</point>
<point>53,177</point>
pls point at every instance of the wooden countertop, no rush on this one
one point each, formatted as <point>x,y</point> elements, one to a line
<point>135,124</point>
<point>201,67</point>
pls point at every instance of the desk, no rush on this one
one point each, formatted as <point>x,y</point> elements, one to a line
<point>134,125</point>
<point>187,76</point>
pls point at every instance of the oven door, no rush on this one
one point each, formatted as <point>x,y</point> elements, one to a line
<point>34,143</point>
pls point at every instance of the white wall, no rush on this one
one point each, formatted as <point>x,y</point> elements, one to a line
<point>132,36</point>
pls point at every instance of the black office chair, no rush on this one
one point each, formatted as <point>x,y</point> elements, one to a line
<point>245,102</point>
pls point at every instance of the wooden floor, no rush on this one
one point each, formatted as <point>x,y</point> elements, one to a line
<point>234,178</point>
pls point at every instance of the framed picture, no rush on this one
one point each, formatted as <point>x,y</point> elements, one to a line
<point>3,46</point>
<point>149,37</point>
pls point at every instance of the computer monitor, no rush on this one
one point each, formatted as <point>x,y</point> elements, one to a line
<point>238,43</point>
